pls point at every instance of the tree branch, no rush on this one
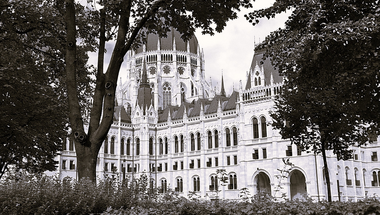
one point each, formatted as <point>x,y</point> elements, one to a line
<point>75,116</point>
<point>99,88</point>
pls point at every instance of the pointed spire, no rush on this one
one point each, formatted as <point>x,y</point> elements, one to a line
<point>222,91</point>
<point>144,75</point>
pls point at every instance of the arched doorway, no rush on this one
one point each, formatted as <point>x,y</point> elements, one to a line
<point>262,183</point>
<point>297,185</point>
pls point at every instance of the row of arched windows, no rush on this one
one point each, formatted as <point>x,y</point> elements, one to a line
<point>374,177</point>
<point>263,127</point>
<point>179,145</point>
<point>196,183</point>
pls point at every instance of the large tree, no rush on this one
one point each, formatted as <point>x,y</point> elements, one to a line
<point>33,100</point>
<point>328,52</point>
<point>130,21</point>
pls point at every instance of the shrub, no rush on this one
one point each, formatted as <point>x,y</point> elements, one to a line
<point>38,194</point>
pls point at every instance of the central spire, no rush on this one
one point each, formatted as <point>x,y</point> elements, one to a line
<point>144,96</point>
<point>144,75</point>
<point>222,91</point>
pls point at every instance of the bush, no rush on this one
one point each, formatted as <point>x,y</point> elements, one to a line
<point>39,194</point>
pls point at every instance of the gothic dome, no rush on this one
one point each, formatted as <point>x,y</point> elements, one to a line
<point>166,43</point>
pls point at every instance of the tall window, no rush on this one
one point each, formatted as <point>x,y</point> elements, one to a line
<point>234,135</point>
<point>179,187</point>
<point>122,146</point>
<point>209,139</point>
<point>255,126</point>
<point>196,183</point>
<point>192,142</point>
<point>112,145</point>
<point>214,183</point>
<point>182,143</point>
<point>263,126</point>
<point>167,91</point>
<point>376,178</point>
<point>216,138</point>
<point>357,181</point>
<point>232,185</point>
<point>161,150</point>
<point>151,146</point>
<point>166,145</point>
<point>348,181</point>
<point>175,144</point>
<point>106,146</point>
<point>163,185</point>
<point>228,137</point>
<point>198,141</point>
<point>137,146</point>
<point>129,146</point>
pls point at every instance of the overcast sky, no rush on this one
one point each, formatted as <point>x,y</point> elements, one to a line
<point>230,51</point>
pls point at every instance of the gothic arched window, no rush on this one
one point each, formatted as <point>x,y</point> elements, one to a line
<point>137,146</point>
<point>263,127</point>
<point>216,138</point>
<point>234,136</point>
<point>209,139</point>
<point>161,149</point>
<point>112,145</point>
<point>196,184</point>
<point>198,141</point>
<point>255,126</point>
<point>167,94</point>
<point>175,144</point>
<point>129,146</point>
<point>122,146</point>
<point>228,137</point>
<point>182,143</point>
<point>192,142</point>
<point>150,146</point>
<point>166,145</point>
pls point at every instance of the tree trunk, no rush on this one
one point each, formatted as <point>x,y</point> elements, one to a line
<point>326,169</point>
<point>86,161</point>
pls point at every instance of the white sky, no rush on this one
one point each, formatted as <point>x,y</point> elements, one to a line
<point>230,51</point>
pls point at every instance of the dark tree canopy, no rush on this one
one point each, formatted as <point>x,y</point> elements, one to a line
<point>32,92</point>
<point>329,54</point>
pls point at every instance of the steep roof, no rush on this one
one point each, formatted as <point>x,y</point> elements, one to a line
<point>166,43</point>
<point>120,111</point>
<point>268,68</point>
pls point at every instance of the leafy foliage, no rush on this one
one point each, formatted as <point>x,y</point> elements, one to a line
<point>33,95</point>
<point>328,52</point>
<point>37,194</point>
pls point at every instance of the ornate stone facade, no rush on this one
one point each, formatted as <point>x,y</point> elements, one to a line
<point>185,136</point>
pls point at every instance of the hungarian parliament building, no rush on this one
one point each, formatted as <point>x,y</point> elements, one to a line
<point>191,137</point>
